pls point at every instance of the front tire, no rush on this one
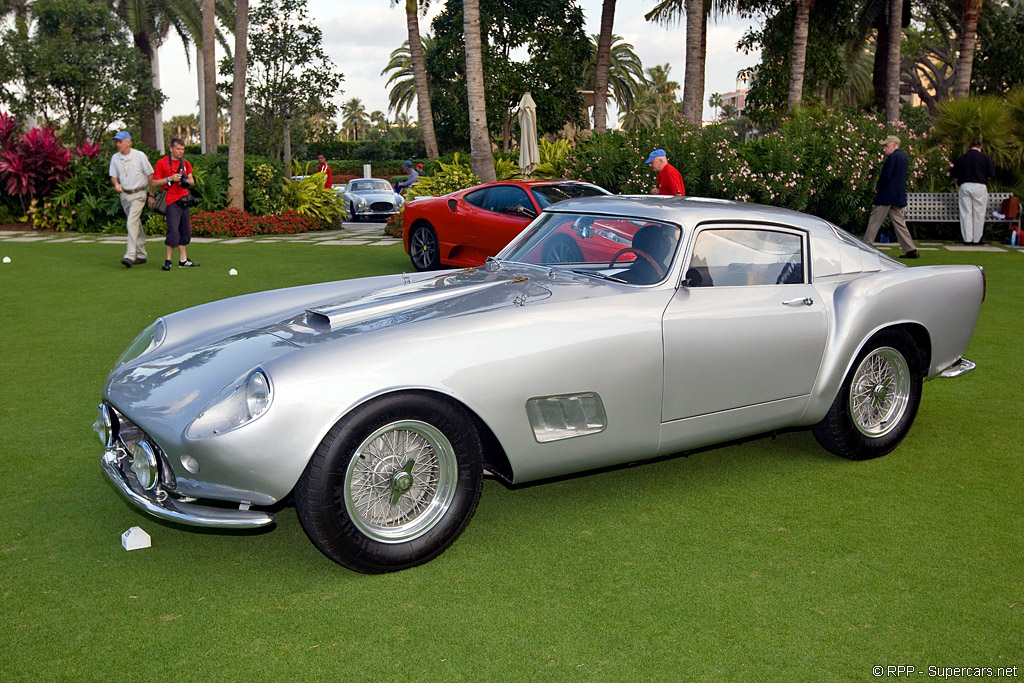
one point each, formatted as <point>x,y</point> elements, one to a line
<point>393,484</point>
<point>423,247</point>
<point>878,400</point>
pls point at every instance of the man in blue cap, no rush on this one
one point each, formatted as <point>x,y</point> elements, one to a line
<point>670,182</point>
<point>411,180</point>
<point>130,172</point>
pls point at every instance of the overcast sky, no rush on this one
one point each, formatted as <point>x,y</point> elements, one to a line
<point>359,35</point>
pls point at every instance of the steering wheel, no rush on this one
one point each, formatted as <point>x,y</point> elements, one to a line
<point>642,254</point>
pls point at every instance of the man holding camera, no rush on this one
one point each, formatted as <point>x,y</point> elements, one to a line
<point>173,175</point>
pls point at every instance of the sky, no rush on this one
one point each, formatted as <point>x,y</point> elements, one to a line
<point>359,35</point>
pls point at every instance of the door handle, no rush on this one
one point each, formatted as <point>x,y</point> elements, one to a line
<point>804,300</point>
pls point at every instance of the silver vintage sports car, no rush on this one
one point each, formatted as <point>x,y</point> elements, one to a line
<point>370,199</point>
<point>381,403</point>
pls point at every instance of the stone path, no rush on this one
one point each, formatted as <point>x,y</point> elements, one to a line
<point>371,234</point>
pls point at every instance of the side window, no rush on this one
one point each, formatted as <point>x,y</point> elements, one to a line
<point>477,198</point>
<point>507,199</point>
<point>738,257</point>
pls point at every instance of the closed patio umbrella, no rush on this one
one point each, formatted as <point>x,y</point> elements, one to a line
<point>529,154</point>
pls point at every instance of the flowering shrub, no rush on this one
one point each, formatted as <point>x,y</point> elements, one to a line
<point>235,223</point>
<point>823,163</point>
<point>31,164</point>
<point>393,228</point>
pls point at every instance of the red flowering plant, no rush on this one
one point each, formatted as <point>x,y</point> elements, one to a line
<point>235,223</point>
<point>31,164</point>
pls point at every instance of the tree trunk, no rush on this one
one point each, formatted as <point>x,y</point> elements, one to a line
<point>968,42</point>
<point>693,75</point>
<point>419,72</point>
<point>798,61</point>
<point>209,79</point>
<point>147,122</point>
<point>892,78</point>
<point>604,58</point>
<point>200,81</point>
<point>880,75</point>
<point>481,159</point>
<point>236,137</point>
<point>158,114</point>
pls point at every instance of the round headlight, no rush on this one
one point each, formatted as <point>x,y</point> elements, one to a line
<point>144,465</point>
<point>105,426</point>
<point>257,394</point>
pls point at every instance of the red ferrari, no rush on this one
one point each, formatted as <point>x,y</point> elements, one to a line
<point>465,227</point>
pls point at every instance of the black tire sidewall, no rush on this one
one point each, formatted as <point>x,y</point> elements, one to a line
<point>320,499</point>
<point>436,259</point>
<point>838,433</point>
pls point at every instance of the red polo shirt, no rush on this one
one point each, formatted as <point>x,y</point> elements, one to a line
<point>163,169</point>
<point>324,167</point>
<point>670,182</point>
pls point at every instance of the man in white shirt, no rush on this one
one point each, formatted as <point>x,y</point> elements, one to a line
<point>131,172</point>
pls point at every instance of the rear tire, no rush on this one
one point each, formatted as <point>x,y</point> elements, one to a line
<point>423,247</point>
<point>393,484</point>
<point>878,400</point>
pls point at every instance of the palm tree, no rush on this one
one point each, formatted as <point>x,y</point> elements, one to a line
<point>798,61</point>
<point>403,92</point>
<point>715,101</point>
<point>354,116</point>
<point>149,22</point>
<point>602,66</point>
<point>892,81</point>
<point>236,139</point>
<point>481,159</point>
<point>419,70</point>
<point>663,93</point>
<point>643,114</point>
<point>625,73</point>
<point>209,79</point>
<point>968,42</point>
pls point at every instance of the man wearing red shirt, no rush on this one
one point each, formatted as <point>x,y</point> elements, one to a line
<point>173,174</point>
<point>669,181</point>
<point>325,168</point>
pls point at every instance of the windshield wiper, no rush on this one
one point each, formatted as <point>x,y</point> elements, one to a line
<point>593,273</point>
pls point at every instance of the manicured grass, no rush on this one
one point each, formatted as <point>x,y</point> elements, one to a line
<point>766,560</point>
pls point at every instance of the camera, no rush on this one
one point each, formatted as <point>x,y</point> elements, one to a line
<point>185,184</point>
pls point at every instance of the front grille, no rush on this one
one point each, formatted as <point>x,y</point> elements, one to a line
<point>380,207</point>
<point>130,434</point>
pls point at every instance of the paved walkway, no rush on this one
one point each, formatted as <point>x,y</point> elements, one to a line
<point>350,233</point>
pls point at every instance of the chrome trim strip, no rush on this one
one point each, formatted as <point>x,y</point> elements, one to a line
<point>961,367</point>
<point>165,507</point>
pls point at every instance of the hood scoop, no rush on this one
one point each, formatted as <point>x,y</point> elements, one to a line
<point>489,292</point>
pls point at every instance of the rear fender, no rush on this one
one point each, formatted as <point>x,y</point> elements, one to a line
<point>937,305</point>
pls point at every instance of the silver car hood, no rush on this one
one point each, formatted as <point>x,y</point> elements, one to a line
<point>200,358</point>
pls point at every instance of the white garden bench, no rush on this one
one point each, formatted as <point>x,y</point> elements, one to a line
<point>944,207</point>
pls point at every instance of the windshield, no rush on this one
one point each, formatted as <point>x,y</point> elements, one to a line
<point>369,186</point>
<point>546,195</point>
<point>632,250</point>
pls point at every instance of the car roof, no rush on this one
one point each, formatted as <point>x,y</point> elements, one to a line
<point>690,211</point>
<point>531,182</point>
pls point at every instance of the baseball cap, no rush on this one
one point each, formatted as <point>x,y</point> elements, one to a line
<point>893,139</point>
<point>408,163</point>
<point>419,165</point>
<point>654,155</point>
<point>122,135</point>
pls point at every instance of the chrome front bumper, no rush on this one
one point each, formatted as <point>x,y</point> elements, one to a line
<point>961,367</point>
<point>159,503</point>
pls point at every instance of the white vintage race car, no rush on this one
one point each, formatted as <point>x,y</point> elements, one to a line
<point>381,403</point>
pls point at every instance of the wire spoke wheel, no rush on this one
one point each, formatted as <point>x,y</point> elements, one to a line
<point>400,481</point>
<point>880,392</point>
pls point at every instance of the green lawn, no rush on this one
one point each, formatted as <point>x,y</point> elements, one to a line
<point>767,560</point>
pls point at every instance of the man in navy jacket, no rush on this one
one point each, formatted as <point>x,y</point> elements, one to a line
<point>891,197</point>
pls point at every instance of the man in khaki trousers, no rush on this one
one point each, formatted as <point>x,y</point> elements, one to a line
<point>130,172</point>
<point>891,198</point>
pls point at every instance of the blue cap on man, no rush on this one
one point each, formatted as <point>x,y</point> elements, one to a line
<point>408,163</point>
<point>122,135</point>
<point>654,155</point>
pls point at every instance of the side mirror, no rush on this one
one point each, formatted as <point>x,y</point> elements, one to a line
<point>693,278</point>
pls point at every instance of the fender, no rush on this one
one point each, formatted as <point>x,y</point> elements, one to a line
<point>938,305</point>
